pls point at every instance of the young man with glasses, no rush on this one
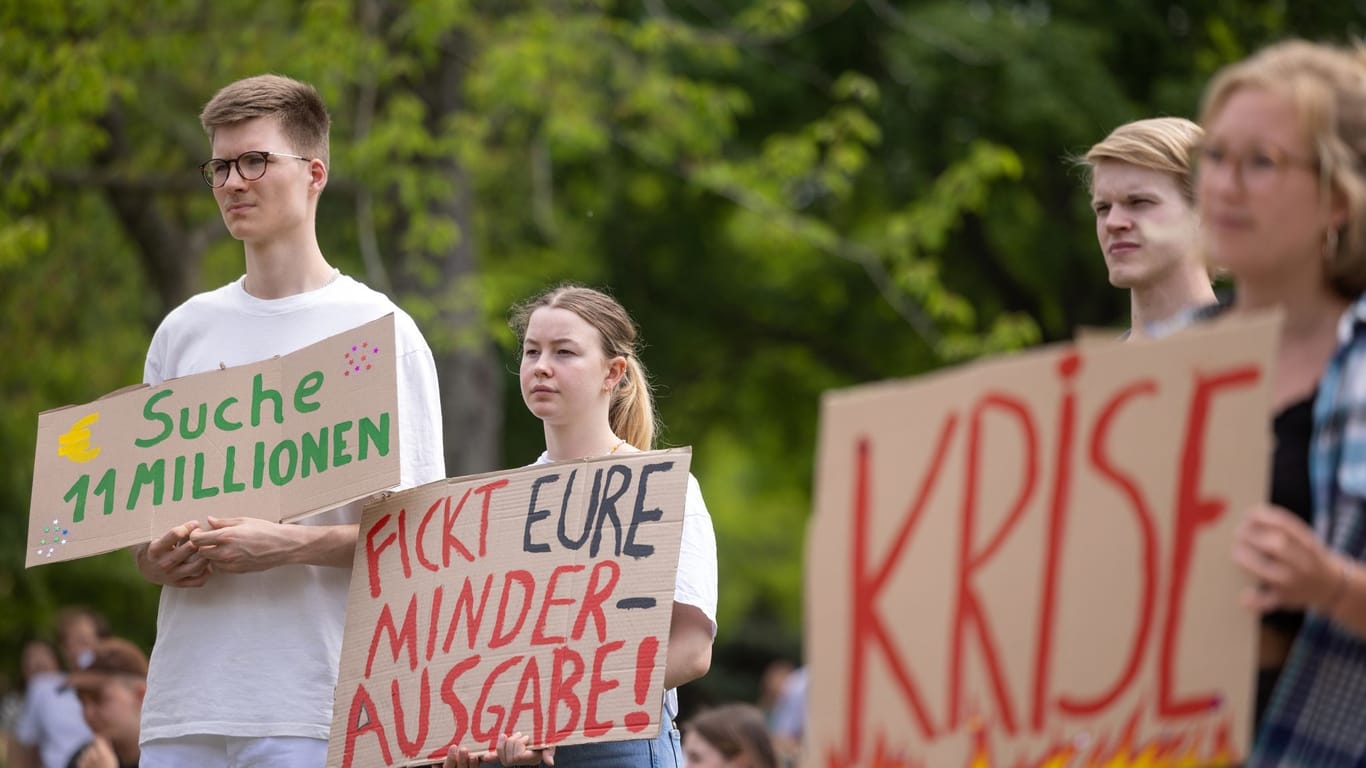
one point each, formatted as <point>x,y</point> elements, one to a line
<point>250,624</point>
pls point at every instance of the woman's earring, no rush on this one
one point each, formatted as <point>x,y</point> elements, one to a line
<point>1330,247</point>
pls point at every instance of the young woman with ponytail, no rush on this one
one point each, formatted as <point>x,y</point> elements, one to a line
<point>581,376</point>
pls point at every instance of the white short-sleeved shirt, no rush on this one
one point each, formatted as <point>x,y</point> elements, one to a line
<point>256,654</point>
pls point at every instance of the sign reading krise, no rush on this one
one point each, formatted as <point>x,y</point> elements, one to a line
<point>1026,561</point>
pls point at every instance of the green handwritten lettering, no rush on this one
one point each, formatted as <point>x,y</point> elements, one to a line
<point>153,474</point>
<point>185,431</point>
<point>258,465</point>
<point>178,483</point>
<point>199,491</point>
<point>339,455</point>
<point>260,394</point>
<point>376,435</point>
<point>220,420</point>
<point>151,414</point>
<point>105,488</point>
<point>230,482</point>
<point>314,452</point>
<point>308,385</point>
<point>290,451</point>
<point>78,491</point>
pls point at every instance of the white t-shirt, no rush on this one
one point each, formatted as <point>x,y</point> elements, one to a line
<point>696,583</point>
<point>51,720</point>
<point>256,654</point>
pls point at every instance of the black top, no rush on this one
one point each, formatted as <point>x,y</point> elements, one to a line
<point>1290,483</point>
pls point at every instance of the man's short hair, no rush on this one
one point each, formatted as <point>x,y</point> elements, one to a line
<point>297,106</point>
<point>1166,144</point>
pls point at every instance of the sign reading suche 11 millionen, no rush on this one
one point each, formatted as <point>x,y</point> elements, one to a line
<point>280,439</point>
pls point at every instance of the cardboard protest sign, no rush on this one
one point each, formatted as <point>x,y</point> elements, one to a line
<point>1027,561</point>
<point>536,600</point>
<point>280,440</point>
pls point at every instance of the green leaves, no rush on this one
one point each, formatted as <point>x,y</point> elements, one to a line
<point>788,196</point>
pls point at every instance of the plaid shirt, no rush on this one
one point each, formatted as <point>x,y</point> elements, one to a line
<point>1317,716</point>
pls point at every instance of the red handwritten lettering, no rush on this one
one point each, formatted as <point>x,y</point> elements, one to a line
<point>1192,512</point>
<point>527,582</point>
<point>473,618</point>
<point>412,747</point>
<point>538,636</point>
<point>422,534</point>
<point>362,707</point>
<point>490,734</point>
<point>1130,489</point>
<point>597,686</point>
<point>969,612</point>
<point>594,597</point>
<point>372,551</point>
<point>452,699</point>
<point>437,593</point>
<point>528,699</point>
<point>562,691</point>
<point>449,541</point>
<point>398,640</point>
<point>1057,522</point>
<point>867,626</point>
<point>487,492</point>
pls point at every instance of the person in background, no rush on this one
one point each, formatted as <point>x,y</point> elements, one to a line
<point>78,630</point>
<point>50,728</point>
<point>729,736</point>
<point>1282,196</point>
<point>787,721</point>
<point>580,374</point>
<point>1143,195</point>
<point>111,689</point>
<point>771,684</point>
<point>37,658</point>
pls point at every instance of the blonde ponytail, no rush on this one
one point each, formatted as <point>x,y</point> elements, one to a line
<point>632,413</point>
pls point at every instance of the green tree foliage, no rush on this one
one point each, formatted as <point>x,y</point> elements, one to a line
<point>789,195</point>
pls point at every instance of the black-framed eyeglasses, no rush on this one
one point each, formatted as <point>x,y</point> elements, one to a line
<point>250,166</point>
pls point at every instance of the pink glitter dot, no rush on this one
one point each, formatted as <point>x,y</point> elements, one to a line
<point>375,350</point>
<point>353,349</point>
<point>358,367</point>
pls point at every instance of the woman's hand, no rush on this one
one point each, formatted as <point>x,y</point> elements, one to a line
<point>512,750</point>
<point>459,757</point>
<point>1292,567</point>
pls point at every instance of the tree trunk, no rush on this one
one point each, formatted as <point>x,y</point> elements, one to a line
<point>466,358</point>
<point>171,251</point>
